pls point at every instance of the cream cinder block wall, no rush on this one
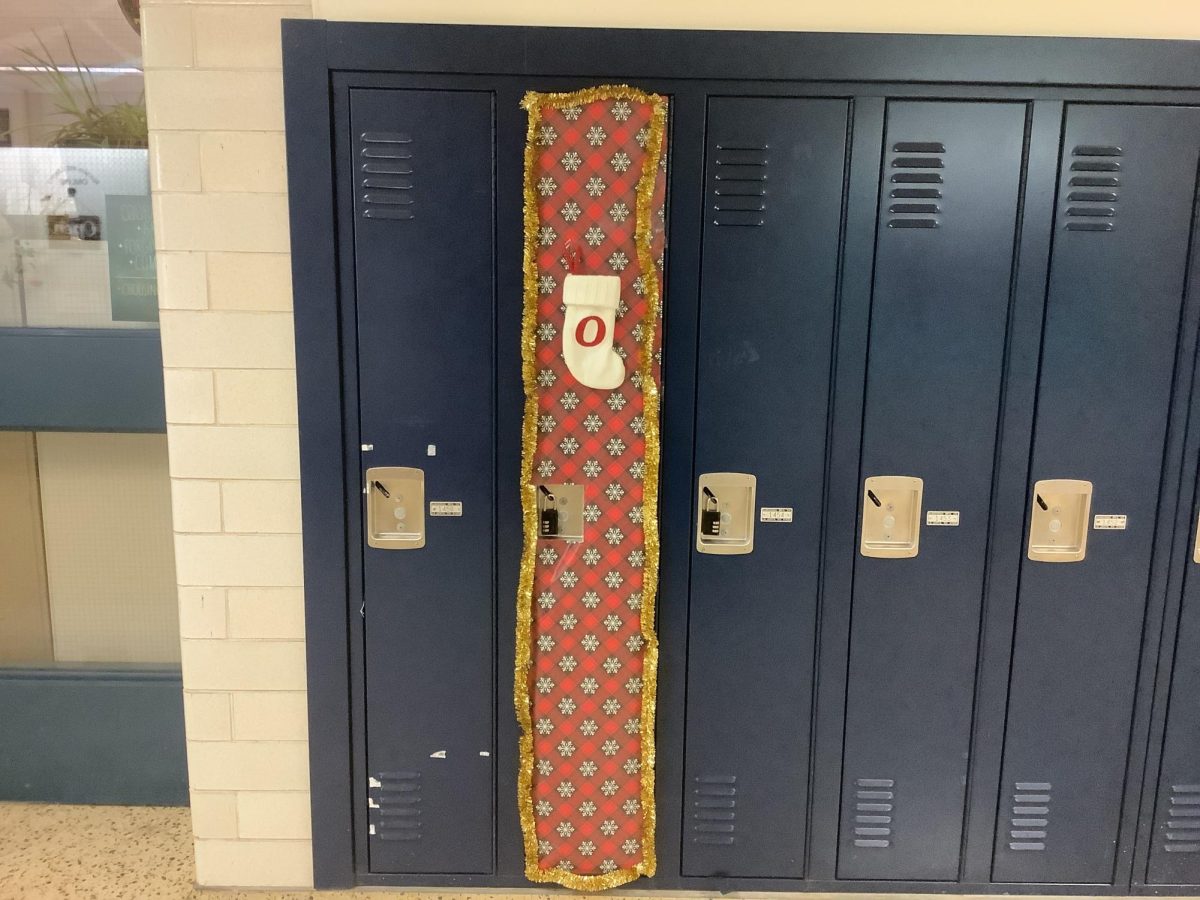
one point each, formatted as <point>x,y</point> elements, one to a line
<point>215,102</point>
<point>215,105</point>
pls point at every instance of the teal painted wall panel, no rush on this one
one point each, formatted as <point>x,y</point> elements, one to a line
<point>84,735</point>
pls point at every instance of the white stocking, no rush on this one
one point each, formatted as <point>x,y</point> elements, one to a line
<point>591,302</point>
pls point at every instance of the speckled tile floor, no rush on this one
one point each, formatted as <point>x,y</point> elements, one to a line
<point>51,852</point>
<point>58,852</point>
<point>105,852</point>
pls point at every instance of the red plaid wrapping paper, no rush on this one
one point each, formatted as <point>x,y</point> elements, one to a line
<point>586,650</point>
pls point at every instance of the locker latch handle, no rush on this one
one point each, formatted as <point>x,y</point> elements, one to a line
<point>891,516</point>
<point>725,513</point>
<point>395,500</point>
<point>560,512</point>
<point>1058,522</point>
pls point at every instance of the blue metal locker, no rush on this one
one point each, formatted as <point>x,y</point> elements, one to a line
<point>1174,856</point>
<point>422,184</point>
<point>832,317</point>
<point>1175,838</point>
<point>944,259</point>
<point>768,294</point>
<point>1125,205</point>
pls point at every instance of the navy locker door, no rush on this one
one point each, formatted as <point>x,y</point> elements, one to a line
<point>766,329</point>
<point>1175,841</point>
<point>948,210</point>
<point>423,189</point>
<point>1126,190</point>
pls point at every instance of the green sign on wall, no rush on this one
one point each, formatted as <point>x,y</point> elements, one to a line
<point>131,274</point>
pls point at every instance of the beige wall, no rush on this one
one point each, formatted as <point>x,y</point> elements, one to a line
<point>106,509</point>
<point>24,600</point>
<point>215,105</point>
<point>1092,18</point>
<point>87,571</point>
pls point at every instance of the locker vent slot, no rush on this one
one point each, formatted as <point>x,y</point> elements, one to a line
<point>874,800</point>
<point>1030,816</point>
<point>916,163</point>
<point>1093,209</point>
<point>385,175</point>
<point>396,806</point>
<point>714,810</point>
<point>739,194</point>
<point>1183,820</point>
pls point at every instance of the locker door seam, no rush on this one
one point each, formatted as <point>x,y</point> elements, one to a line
<point>1045,293</point>
<point>997,447</point>
<point>823,546</point>
<point>695,387</point>
<point>351,435</point>
<point>858,481</point>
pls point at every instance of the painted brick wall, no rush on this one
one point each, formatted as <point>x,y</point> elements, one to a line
<point>215,104</point>
<point>215,100</point>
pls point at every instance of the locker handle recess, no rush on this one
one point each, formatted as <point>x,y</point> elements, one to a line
<point>560,512</point>
<point>725,513</point>
<point>395,501</point>
<point>891,516</point>
<point>1058,524</point>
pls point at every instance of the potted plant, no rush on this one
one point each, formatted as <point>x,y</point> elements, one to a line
<point>89,121</point>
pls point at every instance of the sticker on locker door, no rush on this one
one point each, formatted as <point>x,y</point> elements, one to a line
<point>948,517</point>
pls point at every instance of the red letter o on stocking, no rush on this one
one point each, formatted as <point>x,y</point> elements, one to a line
<point>581,330</point>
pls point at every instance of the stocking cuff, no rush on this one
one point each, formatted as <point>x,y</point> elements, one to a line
<point>603,291</point>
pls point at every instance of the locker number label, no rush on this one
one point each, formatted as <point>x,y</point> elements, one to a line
<point>1109,523</point>
<point>445,507</point>
<point>775,514</point>
<point>942,517</point>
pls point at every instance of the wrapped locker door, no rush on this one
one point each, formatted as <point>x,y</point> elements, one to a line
<point>422,185</point>
<point>775,171</point>
<point>1126,194</point>
<point>950,190</point>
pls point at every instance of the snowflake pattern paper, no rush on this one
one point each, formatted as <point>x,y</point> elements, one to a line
<point>595,187</point>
